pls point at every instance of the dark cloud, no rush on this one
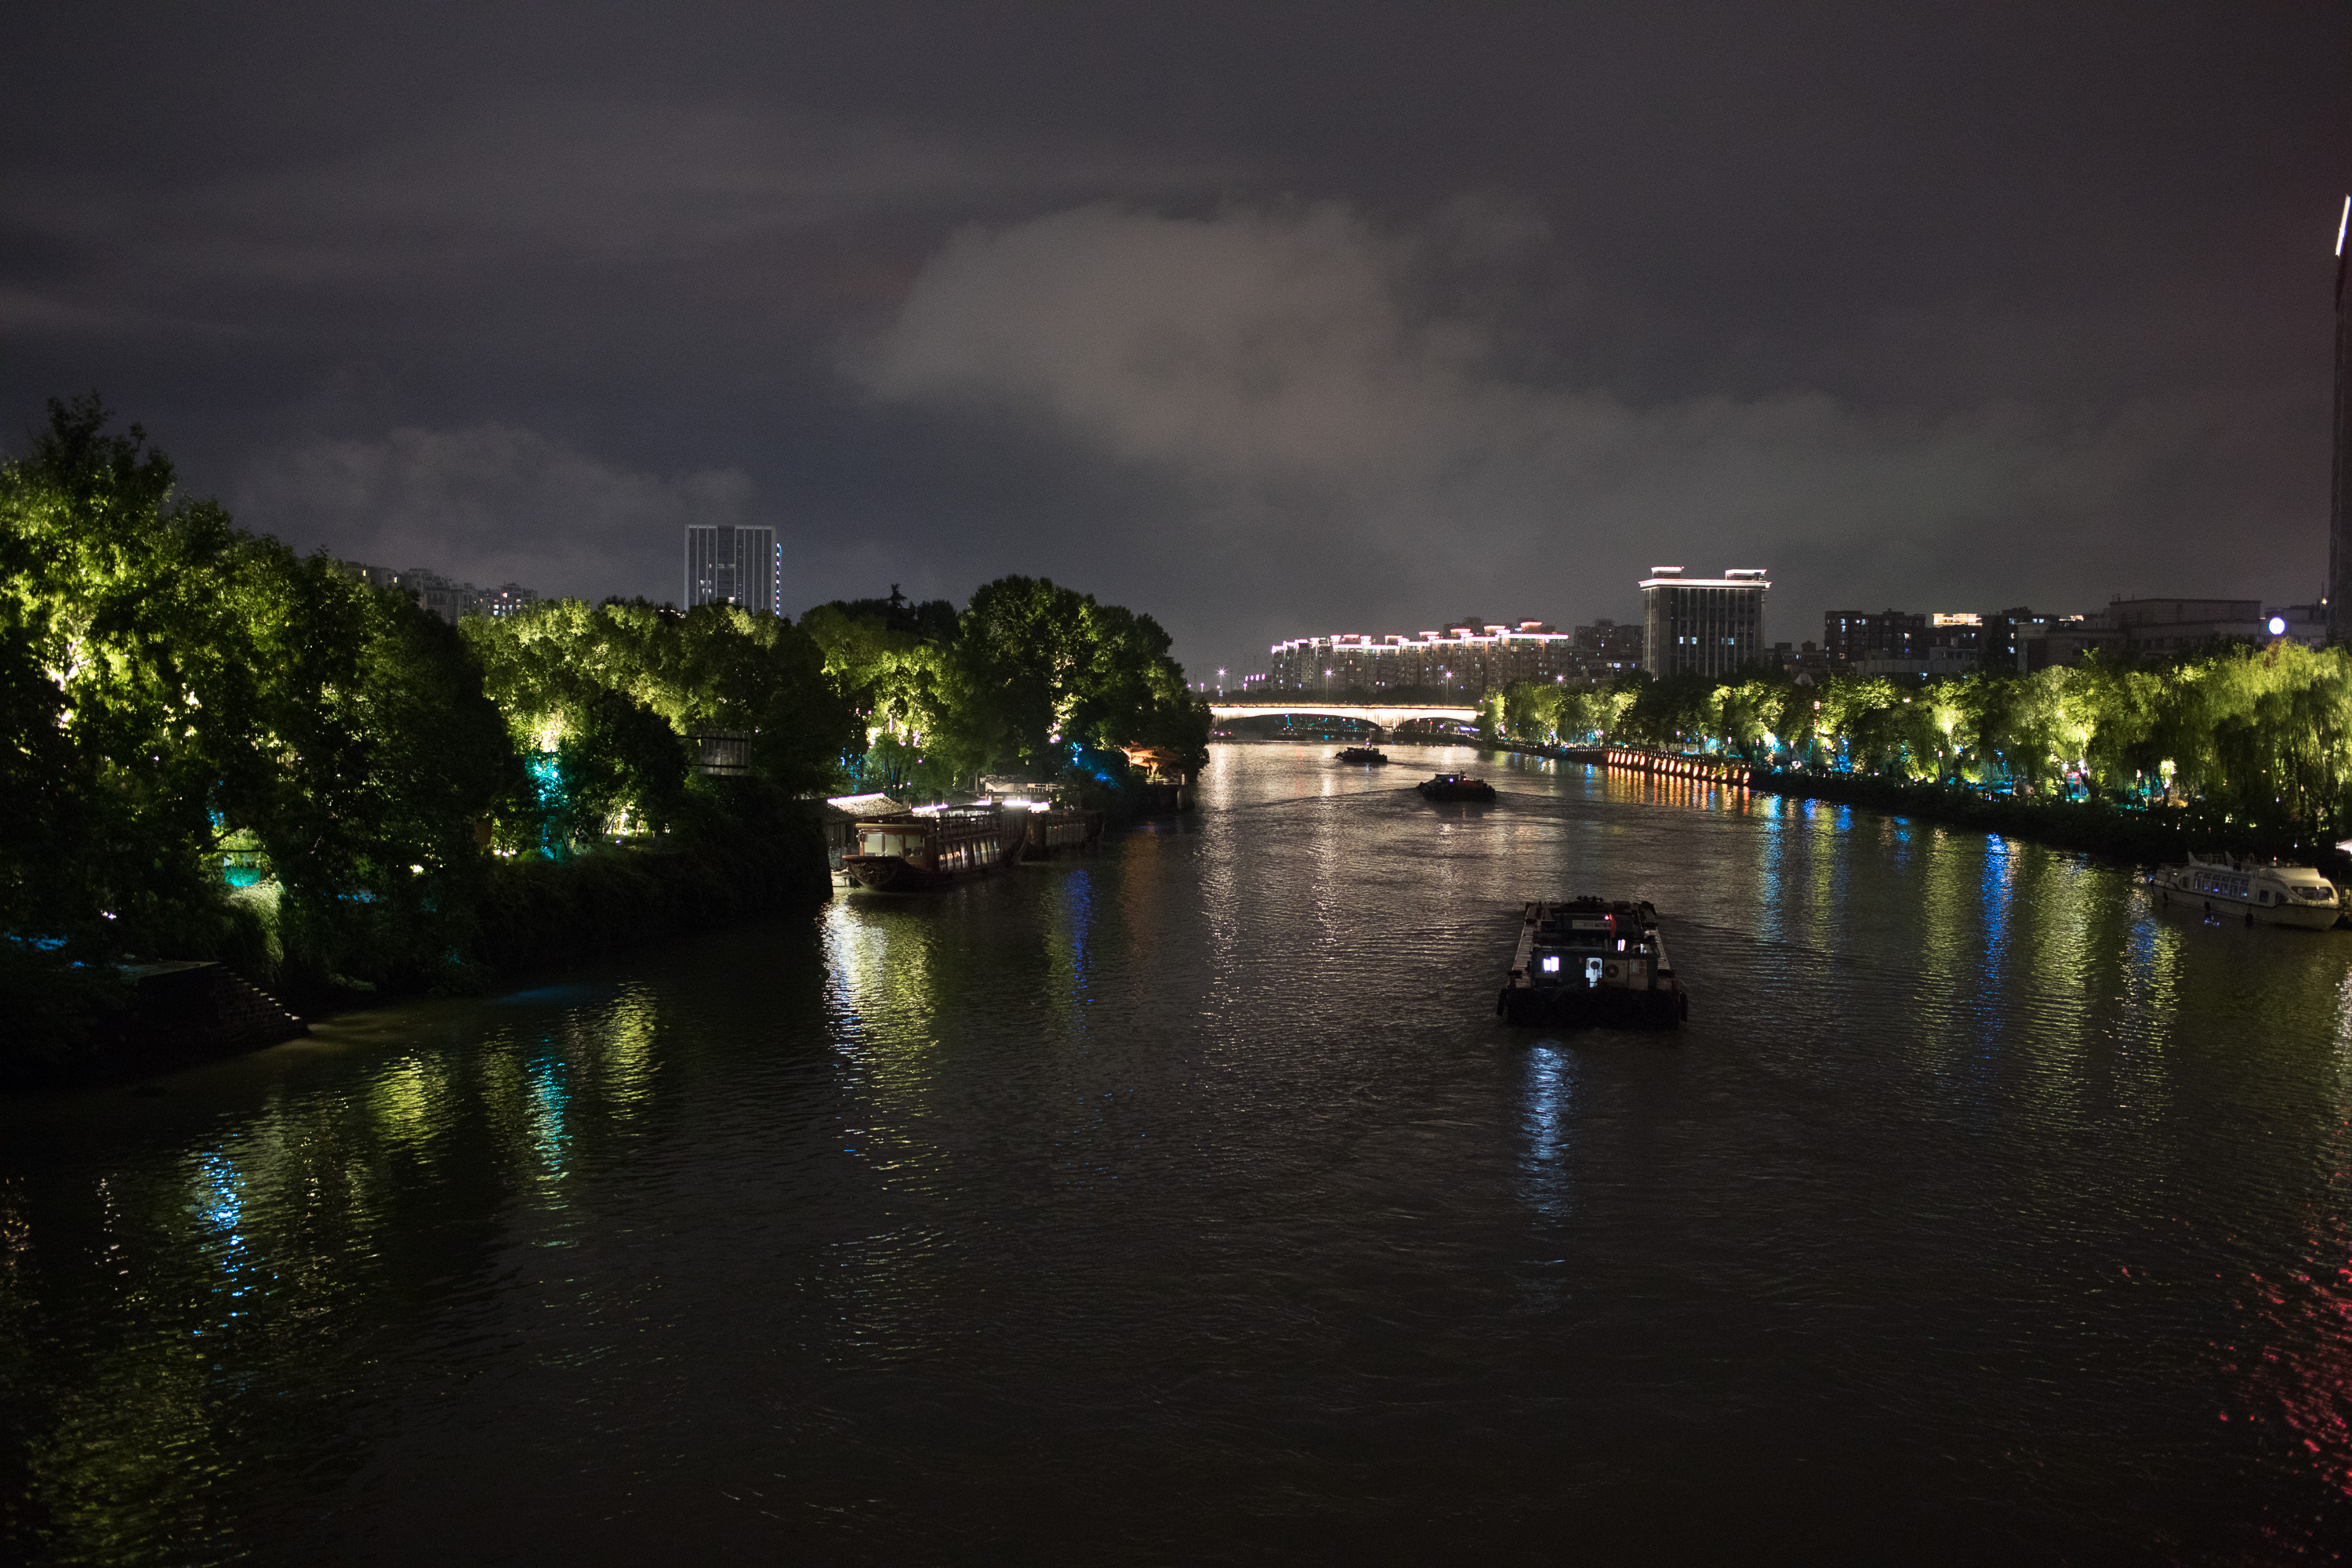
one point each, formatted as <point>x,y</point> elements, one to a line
<point>1317,318</point>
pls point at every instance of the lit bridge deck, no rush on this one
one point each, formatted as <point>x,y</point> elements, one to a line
<point>1378,715</point>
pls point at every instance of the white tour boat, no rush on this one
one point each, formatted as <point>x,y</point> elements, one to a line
<point>2281,894</point>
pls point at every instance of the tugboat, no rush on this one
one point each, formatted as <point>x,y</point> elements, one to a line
<point>1593,961</point>
<point>1455,787</point>
<point>2271,891</point>
<point>918,849</point>
<point>1372,754</point>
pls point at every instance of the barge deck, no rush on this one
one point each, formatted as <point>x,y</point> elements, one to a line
<point>1593,961</point>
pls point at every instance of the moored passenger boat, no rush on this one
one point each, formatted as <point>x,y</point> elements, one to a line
<point>1061,830</point>
<point>2267,890</point>
<point>1455,787</point>
<point>930,849</point>
<point>1589,962</point>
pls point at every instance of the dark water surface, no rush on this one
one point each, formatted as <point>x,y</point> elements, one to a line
<point>1188,1203</point>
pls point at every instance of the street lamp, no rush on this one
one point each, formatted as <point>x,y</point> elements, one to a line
<point>1221,683</point>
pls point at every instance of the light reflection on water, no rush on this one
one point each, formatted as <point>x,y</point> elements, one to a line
<point>1189,1197</point>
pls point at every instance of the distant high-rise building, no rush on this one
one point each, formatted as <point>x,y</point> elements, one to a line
<point>1605,650</point>
<point>1853,637</point>
<point>1711,626</point>
<point>451,600</point>
<point>2339,498</point>
<point>727,564</point>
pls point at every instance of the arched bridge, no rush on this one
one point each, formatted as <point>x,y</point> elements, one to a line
<point>1382,716</point>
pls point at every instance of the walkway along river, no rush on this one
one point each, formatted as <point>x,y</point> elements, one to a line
<point>1190,1202</point>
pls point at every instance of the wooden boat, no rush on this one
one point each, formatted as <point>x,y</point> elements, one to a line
<point>1061,830</point>
<point>1455,787</point>
<point>1366,755</point>
<point>2271,891</point>
<point>1589,962</point>
<point>918,849</point>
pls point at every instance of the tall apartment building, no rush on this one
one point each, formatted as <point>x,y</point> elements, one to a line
<point>1605,650</point>
<point>1710,625</point>
<point>1849,637</point>
<point>1466,659</point>
<point>727,564</point>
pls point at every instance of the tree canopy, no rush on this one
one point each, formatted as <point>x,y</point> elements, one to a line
<point>2262,734</point>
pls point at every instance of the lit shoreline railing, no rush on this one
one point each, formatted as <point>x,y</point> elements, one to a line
<point>1669,764</point>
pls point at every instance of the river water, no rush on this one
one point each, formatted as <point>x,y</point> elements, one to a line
<point>1188,1203</point>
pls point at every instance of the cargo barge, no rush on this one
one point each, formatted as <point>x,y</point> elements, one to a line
<point>1371,756</point>
<point>1593,961</point>
<point>1455,787</point>
<point>915,849</point>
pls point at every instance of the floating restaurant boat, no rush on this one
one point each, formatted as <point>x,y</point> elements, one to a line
<point>1372,754</point>
<point>2268,890</point>
<point>928,848</point>
<point>1455,787</point>
<point>1593,961</point>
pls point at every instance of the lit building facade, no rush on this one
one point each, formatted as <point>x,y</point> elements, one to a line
<point>1851,637</point>
<point>1708,625</point>
<point>727,564</point>
<point>1466,660</point>
<point>1605,650</point>
<point>452,601</point>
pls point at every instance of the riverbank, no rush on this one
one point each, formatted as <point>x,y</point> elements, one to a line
<point>2143,836</point>
<point>2137,835</point>
<point>748,853</point>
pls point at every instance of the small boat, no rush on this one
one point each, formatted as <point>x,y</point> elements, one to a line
<point>915,849</point>
<point>1363,754</point>
<point>2267,890</point>
<point>1455,787</point>
<point>1588,961</point>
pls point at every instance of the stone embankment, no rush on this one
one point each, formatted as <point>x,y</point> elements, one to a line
<point>183,1013</point>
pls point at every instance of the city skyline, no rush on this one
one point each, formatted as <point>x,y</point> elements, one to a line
<point>1433,309</point>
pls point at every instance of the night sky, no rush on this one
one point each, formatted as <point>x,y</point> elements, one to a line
<point>1268,321</point>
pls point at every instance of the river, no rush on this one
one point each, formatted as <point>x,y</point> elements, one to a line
<point>1188,1203</point>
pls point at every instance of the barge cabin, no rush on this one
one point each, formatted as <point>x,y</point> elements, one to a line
<point>1589,962</point>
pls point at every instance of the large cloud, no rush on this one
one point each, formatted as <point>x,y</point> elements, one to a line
<point>1327,410</point>
<point>489,504</point>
